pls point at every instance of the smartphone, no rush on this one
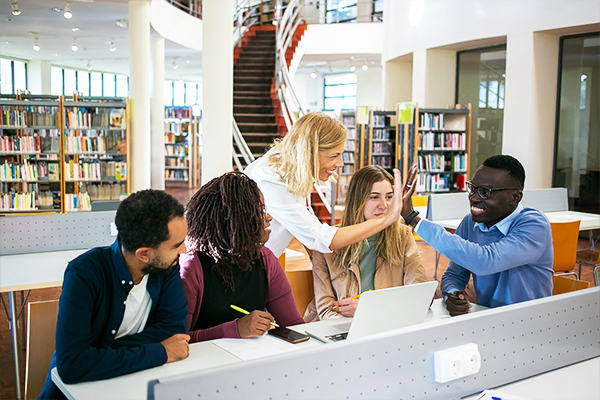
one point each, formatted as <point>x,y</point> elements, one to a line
<point>288,335</point>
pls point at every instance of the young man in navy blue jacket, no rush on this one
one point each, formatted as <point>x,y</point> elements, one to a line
<point>123,307</point>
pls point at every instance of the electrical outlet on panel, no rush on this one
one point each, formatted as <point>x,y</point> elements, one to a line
<point>456,362</point>
<point>113,229</point>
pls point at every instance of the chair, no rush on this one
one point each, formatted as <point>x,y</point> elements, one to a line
<point>589,258</point>
<point>564,242</point>
<point>41,332</point>
<point>562,284</point>
<point>419,204</point>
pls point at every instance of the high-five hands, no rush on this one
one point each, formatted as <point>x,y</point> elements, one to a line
<point>408,190</point>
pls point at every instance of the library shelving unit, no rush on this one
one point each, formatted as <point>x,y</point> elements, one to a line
<point>95,148</point>
<point>30,178</point>
<point>382,139</point>
<point>441,148</point>
<point>182,144</point>
<point>348,118</point>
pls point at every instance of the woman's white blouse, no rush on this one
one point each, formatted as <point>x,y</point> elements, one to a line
<point>292,215</point>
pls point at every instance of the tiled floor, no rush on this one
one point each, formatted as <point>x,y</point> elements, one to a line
<point>7,390</point>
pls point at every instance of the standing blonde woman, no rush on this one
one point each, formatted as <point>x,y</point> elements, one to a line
<point>311,151</point>
<point>388,258</point>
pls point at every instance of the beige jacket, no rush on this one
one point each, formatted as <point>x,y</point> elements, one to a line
<point>333,282</point>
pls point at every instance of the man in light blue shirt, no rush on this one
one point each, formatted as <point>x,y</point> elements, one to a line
<point>506,247</point>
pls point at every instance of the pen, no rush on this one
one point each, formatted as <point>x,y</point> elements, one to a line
<point>354,297</point>
<point>240,309</point>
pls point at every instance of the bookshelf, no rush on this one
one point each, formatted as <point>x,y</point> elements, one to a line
<point>348,118</point>
<point>182,145</point>
<point>59,156</point>
<point>95,144</point>
<point>382,139</point>
<point>441,148</point>
<point>29,156</point>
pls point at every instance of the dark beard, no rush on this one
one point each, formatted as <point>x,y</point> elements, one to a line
<point>154,268</point>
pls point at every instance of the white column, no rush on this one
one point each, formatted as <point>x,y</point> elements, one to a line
<point>530,104</point>
<point>140,69</point>
<point>217,88</point>
<point>158,112</point>
<point>397,82</point>
<point>440,78</point>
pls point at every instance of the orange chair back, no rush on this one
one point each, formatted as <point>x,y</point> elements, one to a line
<point>562,284</point>
<point>419,201</point>
<point>564,243</point>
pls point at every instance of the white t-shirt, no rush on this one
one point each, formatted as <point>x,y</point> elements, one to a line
<point>137,309</point>
<point>292,214</point>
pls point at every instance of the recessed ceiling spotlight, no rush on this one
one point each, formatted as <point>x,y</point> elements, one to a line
<point>352,68</point>
<point>187,61</point>
<point>313,74</point>
<point>68,14</point>
<point>364,67</point>
<point>112,47</point>
<point>36,45</point>
<point>89,65</point>
<point>121,23</point>
<point>174,64</point>
<point>15,8</point>
<point>74,46</point>
<point>75,29</point>
<point>56,10</point>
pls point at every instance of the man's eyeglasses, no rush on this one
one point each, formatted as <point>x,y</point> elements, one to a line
<point>485,192</point>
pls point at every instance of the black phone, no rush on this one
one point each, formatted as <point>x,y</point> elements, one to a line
<point>288,335</point>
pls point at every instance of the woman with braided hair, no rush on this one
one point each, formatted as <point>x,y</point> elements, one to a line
<point>226,263</point>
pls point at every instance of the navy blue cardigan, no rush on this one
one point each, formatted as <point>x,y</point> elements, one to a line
<point>95,287</point>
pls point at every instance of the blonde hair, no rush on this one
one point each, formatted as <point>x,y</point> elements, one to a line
<point>386,245</point>
<point>296,156</point>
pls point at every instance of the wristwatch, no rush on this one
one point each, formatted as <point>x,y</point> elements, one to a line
<point>410,217</point>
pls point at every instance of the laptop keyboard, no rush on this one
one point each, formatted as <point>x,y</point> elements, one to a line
<point>338,336</point>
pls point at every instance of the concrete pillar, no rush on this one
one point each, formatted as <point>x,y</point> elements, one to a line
<point>140,81</point>
<point>419,77</point>
<point>397,82</point>
<point>434,77</point>
<point>530,104</point>
<point>157,113</point>
<point>217,88</point>
<point>38,76</point>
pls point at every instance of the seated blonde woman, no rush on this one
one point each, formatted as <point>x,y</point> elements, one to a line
<point>388,258</point>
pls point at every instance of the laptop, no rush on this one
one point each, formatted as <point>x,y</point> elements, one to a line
<point>379,311</point>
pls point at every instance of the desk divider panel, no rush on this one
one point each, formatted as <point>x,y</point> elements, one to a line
<point>447,206</point>
<point>55,232</point>
<point>546,200</point>
<point>515,342</point>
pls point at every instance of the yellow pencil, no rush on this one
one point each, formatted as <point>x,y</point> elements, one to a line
<point>355,297</point>
<point>240,309</point>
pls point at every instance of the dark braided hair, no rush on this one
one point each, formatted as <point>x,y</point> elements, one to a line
<point>226,222</point>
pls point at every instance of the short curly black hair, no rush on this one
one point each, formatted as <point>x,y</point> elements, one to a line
<point>509,164</point>
<point>142,218</point>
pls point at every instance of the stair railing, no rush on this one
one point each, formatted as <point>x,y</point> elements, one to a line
<point>240,148</point>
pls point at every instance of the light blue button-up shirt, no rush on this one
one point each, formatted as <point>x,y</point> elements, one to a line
<point>510,261</point>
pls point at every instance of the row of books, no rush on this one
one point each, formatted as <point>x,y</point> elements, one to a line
<point>82,144</point>
<point>177,112</point>
<point>177,127</point>
<point>17,201</point>
<point>440,182</point>
<point>177,162</point>
<point>383,161</point>
<point>349,145</point>
<point>348,158</point>
<point>382,148</point>
<point>77,202</point>
<point>28,116</point>
<point>113,191</point>
<point>380,120</point>
<point>180,151</point>
<point>441,163</point>
<point>348,120</point>
<point>431,121</point>
<point>173,138</point>
<point>29,172</point>
<point>48,199</point>
<point>96,170</point>
<point>382,134</point>
<point>20,144</point>
<point>443,141</point>
<point>88,117</point>
<point>175,174</point>
<point>348,169</point>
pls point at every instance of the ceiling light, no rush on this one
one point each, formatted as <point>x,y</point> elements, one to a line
<point>364,67</point>
<point>187,61</point>
<point>15,8</point>
<point>314,74</point>
<point>352,68</point>
<point>75,29</point>
<point>112,47</point>
<point>89,66</point>
<point>175,65</point>
<point>121,23</point>
<point>74,46</point>
<point>68,14</point>
<point>36,46</point>
<point>56,10</point>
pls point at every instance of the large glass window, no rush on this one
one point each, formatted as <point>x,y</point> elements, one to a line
<point>20,75</point>
<point>122,85</point>
<point>191,93</point>
<point>70,82</point>
<point>480,81</point>
<point>6,86</point>
<point>339,92</point>
<point>95,84</point>
<point>168,93</point>
<point>109,85</point>
<point>577,147</point>
<point>178,93</point>
<point>341,11</point>
<point>83,82</point>
<point>13,76</point>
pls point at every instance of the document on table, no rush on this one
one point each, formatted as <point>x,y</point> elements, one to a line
<point>257,347</point>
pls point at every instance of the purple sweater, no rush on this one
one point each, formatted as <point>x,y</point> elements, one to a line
<point>280,301</point>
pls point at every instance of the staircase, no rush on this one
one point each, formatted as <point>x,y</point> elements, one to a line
<point>253,74</point>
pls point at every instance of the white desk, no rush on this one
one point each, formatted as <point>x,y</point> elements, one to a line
<point>203,355</point>
<point>26,272</point>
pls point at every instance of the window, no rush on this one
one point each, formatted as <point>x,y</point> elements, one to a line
<point>178,93</point>
<point>191,93</point>
<point>339,92</point>
<point>168,93</point>
<point>83,82</point>
<point>577,146</point>
<point>480,81</point>
<point>70,82</point>
<point>122,85</point>
<point>13,76</point>
<point>95,84</point>
<point>341,11</point>
<point>108,85</point>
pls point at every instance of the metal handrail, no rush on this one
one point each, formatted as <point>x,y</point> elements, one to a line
<point>192,7</point>
<point>242,146</point>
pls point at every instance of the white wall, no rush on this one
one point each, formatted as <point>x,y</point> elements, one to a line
<point>309,91</point>
<point>433,30</point>
<point>369,91</point>
<point>176,25</point>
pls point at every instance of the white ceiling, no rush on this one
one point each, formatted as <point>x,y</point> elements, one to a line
<point>96,21</point>
<point>337,63</point>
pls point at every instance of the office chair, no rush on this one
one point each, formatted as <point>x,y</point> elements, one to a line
<point>589,258</point>
<point>564,243</point>
<point>562,284</point>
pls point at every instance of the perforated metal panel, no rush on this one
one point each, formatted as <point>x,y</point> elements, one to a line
<point>447,206</point>
<point>546,200</point>
<point>515,342</point>
<point>54,232</point>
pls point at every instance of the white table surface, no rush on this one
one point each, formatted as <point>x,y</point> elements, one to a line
<point>203,355</point>
<point>588,221</point>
